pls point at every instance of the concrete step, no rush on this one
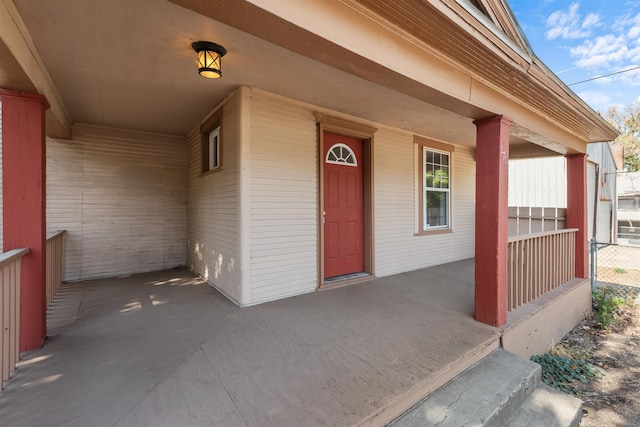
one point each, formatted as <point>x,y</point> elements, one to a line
<point>548,407</point>
<point>489,393</point>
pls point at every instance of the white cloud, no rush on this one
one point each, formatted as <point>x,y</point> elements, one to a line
<point>601,51</point>
<point>569,24</point>
<point>592,20</point>
<point>618,48</point>
<point>631,78</point>
<point>598,100</point>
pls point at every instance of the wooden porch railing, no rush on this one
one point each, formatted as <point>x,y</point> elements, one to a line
<point>54,263</point>
<point>10,269</point>
<point>538,263</point>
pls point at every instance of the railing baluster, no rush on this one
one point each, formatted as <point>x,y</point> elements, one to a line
<point>521,271</point>
<point>538,263</point>
<point>55,242</point>
<point>10,269</point>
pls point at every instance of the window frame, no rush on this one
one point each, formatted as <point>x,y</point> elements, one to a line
<point>212,124</point>
<point>437,147</point>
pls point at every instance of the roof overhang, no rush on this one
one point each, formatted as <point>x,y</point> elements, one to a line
<point>92,61</point>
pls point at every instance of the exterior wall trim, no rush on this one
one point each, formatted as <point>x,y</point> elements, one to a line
<point>244,192</point>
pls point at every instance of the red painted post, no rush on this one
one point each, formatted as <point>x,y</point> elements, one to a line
<point>23,189</point>
<point>492,175</point>
<point>577,216</point>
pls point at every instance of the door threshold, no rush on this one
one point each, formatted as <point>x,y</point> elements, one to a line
<point>347,279</point>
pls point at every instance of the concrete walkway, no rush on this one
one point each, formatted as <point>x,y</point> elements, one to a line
<point>166,349</point>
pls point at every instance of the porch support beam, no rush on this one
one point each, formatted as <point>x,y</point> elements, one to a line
<point>492,162</point>
<point>21,68</point>
<point>577,213</point>
<point>23,190</point>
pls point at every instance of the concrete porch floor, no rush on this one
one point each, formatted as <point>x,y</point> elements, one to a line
<point>166,349</point>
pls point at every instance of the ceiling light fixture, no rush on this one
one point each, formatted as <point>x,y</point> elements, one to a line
<point>209,58</point>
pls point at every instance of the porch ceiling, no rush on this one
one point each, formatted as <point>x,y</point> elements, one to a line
<point>130,65</point>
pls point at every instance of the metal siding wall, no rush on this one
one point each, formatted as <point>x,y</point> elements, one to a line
<point>600,153</point>
<point>540,182</point>
<point>284,199</point>
<point>591,177</point>
<point>603,233</point>
<point>398,249</point>
<point>213,213</point>
<point>121,197</point>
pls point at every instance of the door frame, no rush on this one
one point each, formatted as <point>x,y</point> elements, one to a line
<point>364,133</point>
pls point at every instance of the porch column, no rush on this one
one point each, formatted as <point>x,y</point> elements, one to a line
<point>577,216</point>
<point>492,174</point>
<point>23,189</point>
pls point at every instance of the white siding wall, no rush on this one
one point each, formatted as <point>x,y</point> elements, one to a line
<point>397,248</point>
<point>284,199</point>
<point>280,167</point>
<point>543,183</point>
<point>1,197</point>
<point>213,213</point>
<point>601,154</point>
<point>540,182</point>
<point>121,197</point>
<point>591,177</point>
<point>605,215</point>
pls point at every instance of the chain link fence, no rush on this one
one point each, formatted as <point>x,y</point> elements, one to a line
<point>614,264</point>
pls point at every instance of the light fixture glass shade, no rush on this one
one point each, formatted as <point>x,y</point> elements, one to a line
<point>209,59</point>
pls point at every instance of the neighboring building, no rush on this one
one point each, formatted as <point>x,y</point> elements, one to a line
<point>541,184</point>
<point>629,208</point>
<point>602,192</point>
<point>345,140</point>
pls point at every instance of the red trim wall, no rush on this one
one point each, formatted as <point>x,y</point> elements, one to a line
<point>577,210</point>
<point>24,223</point>
<point>491,240</point>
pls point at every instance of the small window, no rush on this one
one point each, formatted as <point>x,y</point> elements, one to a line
<point>211,140</point>
<point>435,185</point>
<point>341,154</point>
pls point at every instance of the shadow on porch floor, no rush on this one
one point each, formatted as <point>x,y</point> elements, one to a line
<point>164,348</point>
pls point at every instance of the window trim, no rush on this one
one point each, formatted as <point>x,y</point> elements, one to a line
<point>211,124</point>
<point>422,144</point>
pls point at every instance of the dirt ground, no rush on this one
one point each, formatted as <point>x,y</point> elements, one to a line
<point>614,399</point>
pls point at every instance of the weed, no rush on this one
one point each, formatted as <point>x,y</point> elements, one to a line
<point>605,303</point>
<point>620,270</point>
<point>570,351</point>
<point>562,373</point>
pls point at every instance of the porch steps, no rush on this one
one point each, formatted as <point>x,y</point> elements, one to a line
<point>500,390</point>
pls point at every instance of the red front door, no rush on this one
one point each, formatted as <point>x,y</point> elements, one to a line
<point>343,205</point>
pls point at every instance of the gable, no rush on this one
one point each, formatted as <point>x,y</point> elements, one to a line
<point>500,14</point>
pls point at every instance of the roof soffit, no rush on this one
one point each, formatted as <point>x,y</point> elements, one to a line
<point>493,58</point>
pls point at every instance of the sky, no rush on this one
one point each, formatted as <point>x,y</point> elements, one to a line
<point>580,40</point>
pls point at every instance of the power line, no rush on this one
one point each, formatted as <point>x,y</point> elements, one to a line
<point>606,75</point>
